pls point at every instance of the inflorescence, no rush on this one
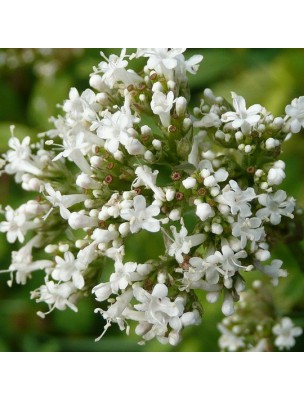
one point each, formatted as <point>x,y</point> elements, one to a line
<point>129,155</point>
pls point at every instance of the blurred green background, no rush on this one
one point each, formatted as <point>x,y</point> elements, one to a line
<point>32,83</point>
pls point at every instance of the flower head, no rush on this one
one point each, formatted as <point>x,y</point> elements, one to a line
<point>242,118</point>
<point>286,333</point>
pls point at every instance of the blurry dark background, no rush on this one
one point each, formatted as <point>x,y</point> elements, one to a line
<point>33,82</point>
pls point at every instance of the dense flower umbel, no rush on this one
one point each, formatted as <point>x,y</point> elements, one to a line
<point>128,156</point>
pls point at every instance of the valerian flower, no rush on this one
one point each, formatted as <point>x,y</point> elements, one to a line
<point>141,216</point>
<point>242,118</point>
<point>129,160</point>
<point>286,333</point>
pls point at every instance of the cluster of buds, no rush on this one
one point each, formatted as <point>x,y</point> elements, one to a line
<point>128,156</point>
<point>255,325</point>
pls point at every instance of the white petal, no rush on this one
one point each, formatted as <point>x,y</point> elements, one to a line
<point>139,203</point>
<point>160,291</point>
<point>151,225</point>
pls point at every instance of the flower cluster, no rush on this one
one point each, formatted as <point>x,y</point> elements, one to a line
<point>255,325</point>
<point>128,155</point>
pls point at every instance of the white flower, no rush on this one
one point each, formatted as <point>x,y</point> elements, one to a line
<point>23,264</point>
<point>69,269</point>
<point>20,150</point>
<point>273,270</point>
<point>183,243</point>
<point>147,178</point>
<point>275,205</point>
<point>123,276</point>
<point>228,340</point>
<point>158,311</point>
<point>237,199</point>
<point>56,296</point>
<point>62,201</point>
<point>72,149</point>
<point>211,178</point>
<point>192,278</point>
<point>192,64</point>
<point>225,263</point>
<point>19,158</point>
<point>162,59</point>
<point>117,312</point>
<point>242,118</point>
<point>295,111</point>
<point>16,224</point>
<point>161,105</point>
<point>208,121</point>
<point>113,128</point>
<point>141,217</point>
<point>114,70</point>
<point>82,106</point>
<point>248,229</point>
<point>286,332</point>
<point>170,62</point>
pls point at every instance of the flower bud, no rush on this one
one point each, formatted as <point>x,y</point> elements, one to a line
<point>157,87</point>
<point>145,130</point>
<point>103,215</point>
<point>227,306</point>
<point>96,82</point>
<point>171,85</point>
<point>180,106</point>
<point>271,143</point>
<point>238,136</point>
<point>275,176</point>
<point>212,297</point>
<point>149,156</point>
<point>51,248</point>
<point>214,191</point>
<point>204,211</point>
<point>77,221</point>
<point>102,98</point>
<point>63,248</point>
<point>210,181</point>
<point>85,182</point>
<point>187,123</point>
<point>157,144</point>
<point>174,215</point>
<point>189,183</point>
<point>170,194</point>
<point>96,161</point>
<point>124,228</point>
<point>217,229</point>
<point>174,338</point>
<point>191,318</point>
